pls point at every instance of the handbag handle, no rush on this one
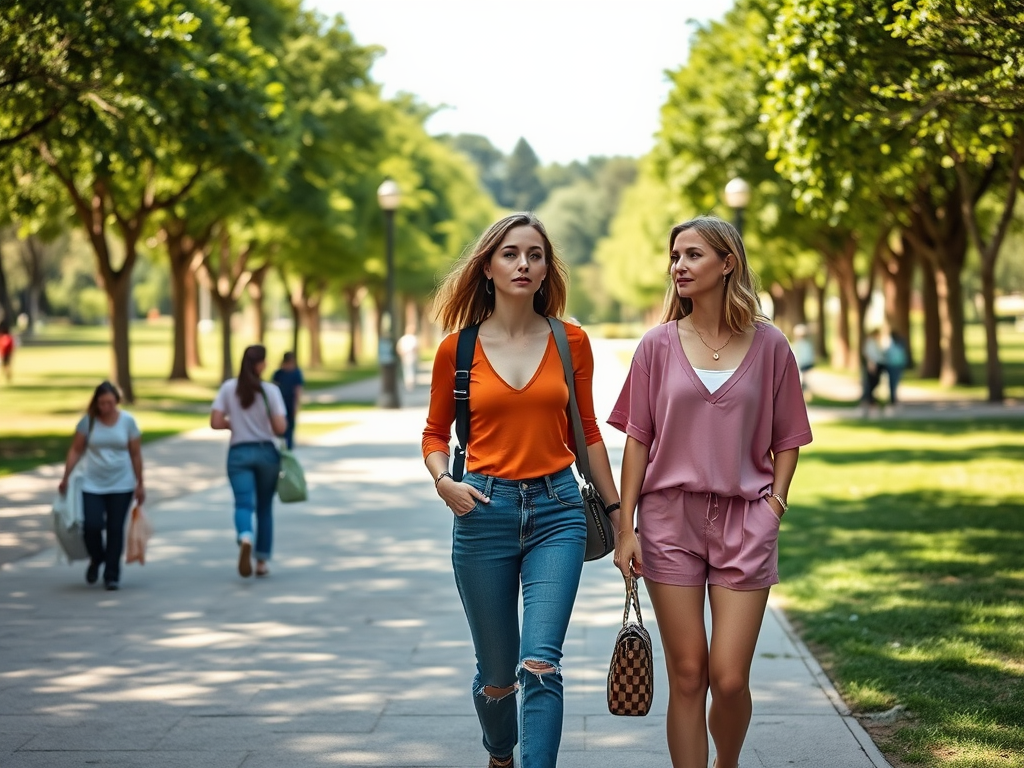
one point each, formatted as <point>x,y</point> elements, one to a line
<point>632,597</point>
<point>562,343</point>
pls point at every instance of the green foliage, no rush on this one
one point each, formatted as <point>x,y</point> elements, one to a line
<point>488,159</point>
<point>523,188</point>
<point>634,255</point>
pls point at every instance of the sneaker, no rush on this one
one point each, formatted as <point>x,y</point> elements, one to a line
<point>113,586</point>
<point>92,572</point>
<point>245,559</point>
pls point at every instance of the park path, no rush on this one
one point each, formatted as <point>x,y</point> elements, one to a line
<point>354,652</point>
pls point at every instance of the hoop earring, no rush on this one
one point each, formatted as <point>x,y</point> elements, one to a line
<point>489,287</point>
<point>540,291</point>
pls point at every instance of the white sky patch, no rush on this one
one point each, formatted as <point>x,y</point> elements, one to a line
<point>574,78</point>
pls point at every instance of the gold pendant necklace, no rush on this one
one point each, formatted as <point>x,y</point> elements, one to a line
<point>713,350</point>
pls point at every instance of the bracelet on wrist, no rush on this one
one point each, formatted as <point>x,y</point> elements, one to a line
<point>782,501</point>
<point>443,474</point>
<point>612,507</point>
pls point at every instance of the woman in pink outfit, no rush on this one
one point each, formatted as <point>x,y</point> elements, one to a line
<point>714,417</point>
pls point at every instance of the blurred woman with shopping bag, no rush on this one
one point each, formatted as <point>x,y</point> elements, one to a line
<point>109,440</point>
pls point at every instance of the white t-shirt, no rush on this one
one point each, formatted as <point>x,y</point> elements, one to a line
<point>108,465</point>
<point>252,424</point>
<point>713,379</point>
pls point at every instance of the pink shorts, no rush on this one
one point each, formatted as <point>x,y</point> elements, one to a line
<point>691,539</point>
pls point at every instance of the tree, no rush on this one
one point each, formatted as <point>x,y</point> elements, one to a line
<point>489,161</point>
<point>185,90</point>
<point>912,103</point>
<point>523,188</point>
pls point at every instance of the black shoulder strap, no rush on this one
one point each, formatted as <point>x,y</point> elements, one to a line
<point>463,363</point>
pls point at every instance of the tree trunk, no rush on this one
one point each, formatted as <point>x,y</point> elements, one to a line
<point>931,359</point>
<point>296,326</point>
<point>225,309</point>
<point>821,332</point>
<point>180,263</point>
<point>190,312</point>
<point>993,366</point>
<point>898,269</point>
<point>939,234</point>
<point>846,286</point>
<point>989,253</point>
<point>6,305</point>
<point>313,326</point>
<point>355,324</point>
<point>119,302</point>
<point>255,288</point>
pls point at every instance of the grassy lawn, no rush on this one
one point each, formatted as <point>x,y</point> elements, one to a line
<point>902,565</point>
<point>54,379</point>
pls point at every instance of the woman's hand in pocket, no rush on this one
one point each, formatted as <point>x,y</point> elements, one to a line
<point>460,497</point>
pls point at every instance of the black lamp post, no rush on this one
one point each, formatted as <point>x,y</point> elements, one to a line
<point>737,197</point>
<point>388,195</point>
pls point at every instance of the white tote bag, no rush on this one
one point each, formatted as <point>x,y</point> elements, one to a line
<point>68,519</point>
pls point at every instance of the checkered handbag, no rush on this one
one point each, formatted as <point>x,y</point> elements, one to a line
<point>631,673</point>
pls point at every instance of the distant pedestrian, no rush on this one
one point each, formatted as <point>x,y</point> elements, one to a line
<point>803,351</point>
<point>518,514</point>
<point>109,441</point>
<point>254,411</point>
<point>714,419</point>
<point>872,366</point>
<point>896,359</point>
<point>6,349</point>
<point>290,381</point>
<point>409,352</point>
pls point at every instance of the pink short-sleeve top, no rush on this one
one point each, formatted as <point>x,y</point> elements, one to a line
<point>719,442</point>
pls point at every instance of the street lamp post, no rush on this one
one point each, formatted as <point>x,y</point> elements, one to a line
<point>737,197</point>
<point>388,195</point>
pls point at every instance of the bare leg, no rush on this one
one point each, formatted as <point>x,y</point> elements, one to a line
<point>735,623</point>
<point>680,612</point>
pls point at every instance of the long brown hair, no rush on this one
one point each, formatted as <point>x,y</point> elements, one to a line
<point>249,382</point>
<point>462,298</point>
<point>742,307</point>
<point>105,388</point>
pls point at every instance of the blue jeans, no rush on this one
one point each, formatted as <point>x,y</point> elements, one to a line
<point>252,471</point>
<point>531,533</point>
<point>106,512</point>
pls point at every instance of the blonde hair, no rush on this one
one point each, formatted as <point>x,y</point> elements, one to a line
<point>462,299</point>
<point>742,307</point>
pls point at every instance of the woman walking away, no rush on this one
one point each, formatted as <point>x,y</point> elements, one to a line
<point>254,412</point>
<point>111,443</point>
<point>714,419</point>
<point>518,514</point>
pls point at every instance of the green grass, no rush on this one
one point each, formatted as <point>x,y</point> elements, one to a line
<point>902,564</point>
<point>55,375</point>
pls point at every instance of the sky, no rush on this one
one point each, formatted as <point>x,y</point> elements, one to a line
<point>574,78</point>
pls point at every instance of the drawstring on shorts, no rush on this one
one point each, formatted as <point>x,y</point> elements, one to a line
<point>711,514</point>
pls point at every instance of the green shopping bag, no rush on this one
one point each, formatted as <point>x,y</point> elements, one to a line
<point>291,480</point>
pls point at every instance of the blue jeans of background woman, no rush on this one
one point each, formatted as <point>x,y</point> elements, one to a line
<point>106,513</point>
<point>531,533</point>
<point>252,471</point>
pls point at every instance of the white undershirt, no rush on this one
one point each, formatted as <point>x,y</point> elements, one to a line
<point>713,379</point>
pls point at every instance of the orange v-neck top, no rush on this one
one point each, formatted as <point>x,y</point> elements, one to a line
<point>514,434</point>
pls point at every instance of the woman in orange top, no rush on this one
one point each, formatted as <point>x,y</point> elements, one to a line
<point>518,514</point>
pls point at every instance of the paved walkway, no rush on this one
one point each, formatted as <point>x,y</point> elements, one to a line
<point>354,652</point>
